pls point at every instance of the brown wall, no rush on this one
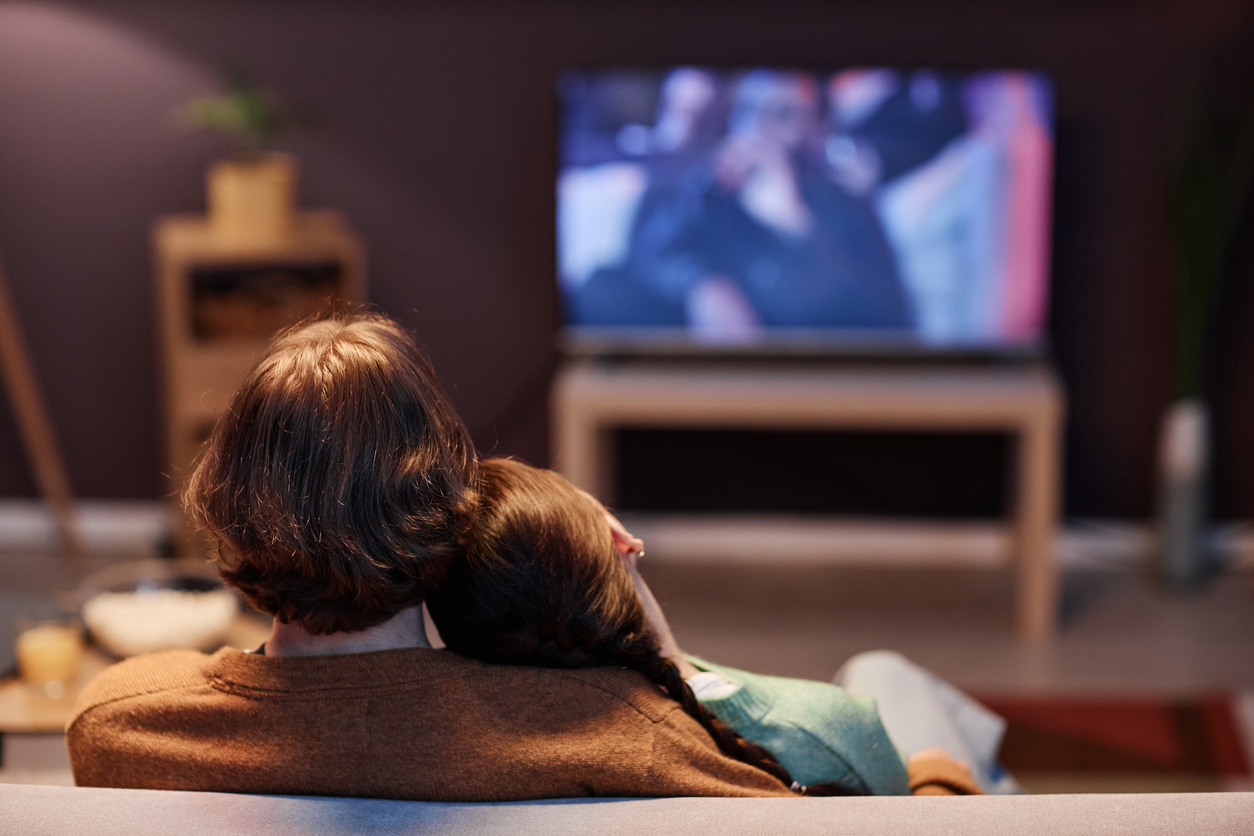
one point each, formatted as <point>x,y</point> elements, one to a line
<point>433,129</point>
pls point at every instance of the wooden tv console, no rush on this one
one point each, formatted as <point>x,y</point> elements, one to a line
<point>590,399</point>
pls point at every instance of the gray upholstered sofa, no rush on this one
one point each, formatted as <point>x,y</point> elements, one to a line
<point>66,811</point>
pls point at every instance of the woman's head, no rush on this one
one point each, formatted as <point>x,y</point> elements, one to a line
<point>339,480</point>
<point>542,582</point>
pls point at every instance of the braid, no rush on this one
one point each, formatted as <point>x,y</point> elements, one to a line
<point>640,653</point>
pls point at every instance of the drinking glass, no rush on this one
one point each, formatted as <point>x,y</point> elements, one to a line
<point>48,652</point>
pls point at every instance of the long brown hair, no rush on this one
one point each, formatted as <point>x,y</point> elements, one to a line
<point>543,584</point>
<point>340,479</point>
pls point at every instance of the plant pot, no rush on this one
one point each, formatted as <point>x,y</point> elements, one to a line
<point>1184,468</point>
<point>252,199</point>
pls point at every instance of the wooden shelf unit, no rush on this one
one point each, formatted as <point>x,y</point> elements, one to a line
<point>590,399</point>
<point>200,373</point>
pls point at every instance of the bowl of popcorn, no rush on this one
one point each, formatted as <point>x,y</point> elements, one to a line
<point>144,606</point>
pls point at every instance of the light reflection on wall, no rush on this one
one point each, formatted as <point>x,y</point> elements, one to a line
<point>88,154</point>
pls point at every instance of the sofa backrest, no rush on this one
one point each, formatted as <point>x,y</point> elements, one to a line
<point>69,811</point>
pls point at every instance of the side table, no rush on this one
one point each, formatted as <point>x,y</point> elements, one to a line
<point>22,711</point>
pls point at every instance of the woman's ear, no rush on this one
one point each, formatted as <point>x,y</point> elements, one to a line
<point>627,545</point>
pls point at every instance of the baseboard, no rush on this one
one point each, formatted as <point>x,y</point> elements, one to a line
<point>807,540</point>
<point>787,539</point>
<point>139,526</point>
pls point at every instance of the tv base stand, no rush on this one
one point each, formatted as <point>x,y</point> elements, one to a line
<point>591,399</point>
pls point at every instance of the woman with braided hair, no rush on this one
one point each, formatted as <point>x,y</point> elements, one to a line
<point>549,580</point>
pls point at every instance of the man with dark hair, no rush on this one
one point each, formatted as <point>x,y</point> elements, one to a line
<point>338,485</point>
<point>339,481</point>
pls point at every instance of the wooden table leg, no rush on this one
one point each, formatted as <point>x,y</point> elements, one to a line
<point>573,439</point>
<point>1036,525</point>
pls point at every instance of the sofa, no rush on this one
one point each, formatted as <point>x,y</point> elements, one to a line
<point>67,811</point>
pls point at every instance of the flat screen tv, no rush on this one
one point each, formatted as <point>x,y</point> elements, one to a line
<point>767,209</point>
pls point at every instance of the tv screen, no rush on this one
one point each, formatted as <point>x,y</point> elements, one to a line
<point>881,208</point>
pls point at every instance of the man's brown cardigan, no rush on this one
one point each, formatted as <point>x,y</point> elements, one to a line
<point>414,723</point>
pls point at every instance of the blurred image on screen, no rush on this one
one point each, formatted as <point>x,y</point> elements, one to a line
<point>883,206</point>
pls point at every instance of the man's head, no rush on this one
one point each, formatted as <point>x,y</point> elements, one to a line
<point>339,480</point>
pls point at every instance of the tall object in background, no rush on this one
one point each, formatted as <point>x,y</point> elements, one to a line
<point>1212,185</point>
<point>36,427</point>
<point>228,280</point>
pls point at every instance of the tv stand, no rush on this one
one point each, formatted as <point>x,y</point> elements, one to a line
<point>590,399</point>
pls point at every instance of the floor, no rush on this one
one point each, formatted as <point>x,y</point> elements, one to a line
<point>1121,633</point>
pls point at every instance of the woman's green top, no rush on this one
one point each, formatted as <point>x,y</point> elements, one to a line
<point>818,731</point>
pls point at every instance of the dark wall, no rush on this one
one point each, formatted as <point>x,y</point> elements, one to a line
<point>433,130</point>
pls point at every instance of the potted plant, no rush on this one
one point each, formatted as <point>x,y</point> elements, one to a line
<point>252,193</point>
